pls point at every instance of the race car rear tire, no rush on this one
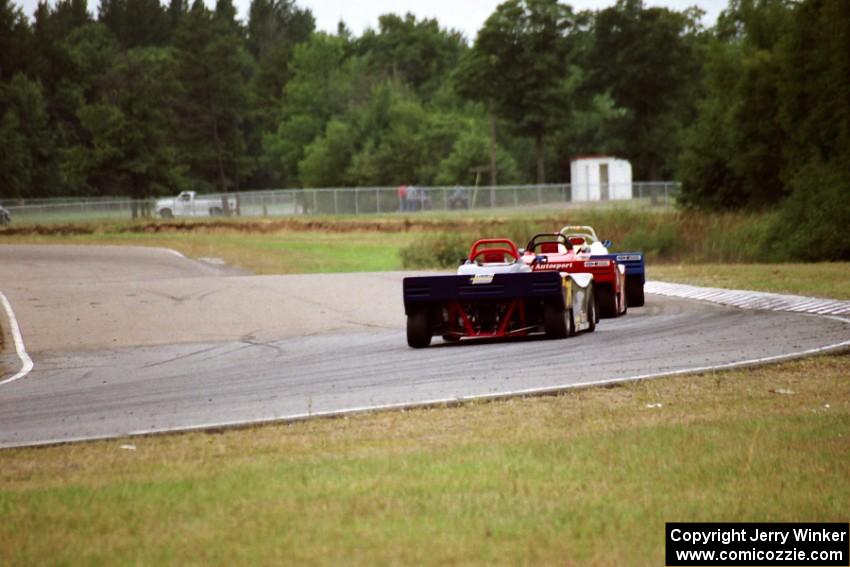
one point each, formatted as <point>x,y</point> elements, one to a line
<point>634,292</point>
<point>606,301</point>
<point>593,313</point>
<point>418,329</point>
<point>556,320</point>
<point>571,324</point>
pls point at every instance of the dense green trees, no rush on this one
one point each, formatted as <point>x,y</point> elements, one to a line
<point>814,112</point>
<point>150,97</point>
<point>127,128</point>
<point>15,40</point>
<point>774,125</point>
<point>416,52</point>
<point>135,23</point>
<point>322,78</point>
<point>733,153</point>
<point>27,142</point>
<point>214,67</point>
<point>647,59</point>
<point>519,68</point>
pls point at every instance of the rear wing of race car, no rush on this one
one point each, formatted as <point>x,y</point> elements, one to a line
<point>633,261</point>
<point>425,290</point>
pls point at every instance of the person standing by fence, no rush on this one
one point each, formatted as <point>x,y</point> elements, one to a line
<point>402,198</point>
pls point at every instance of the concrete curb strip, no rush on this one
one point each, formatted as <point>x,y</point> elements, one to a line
<point>751,299</point>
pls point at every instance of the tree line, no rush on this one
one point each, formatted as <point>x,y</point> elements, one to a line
<point>772,129</point>
<point>148,98</point>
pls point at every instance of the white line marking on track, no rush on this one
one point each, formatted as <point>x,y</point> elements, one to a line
<point>175,252</point>
<point>26,361</point>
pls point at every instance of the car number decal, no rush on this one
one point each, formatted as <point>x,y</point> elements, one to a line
<point>481,279</point>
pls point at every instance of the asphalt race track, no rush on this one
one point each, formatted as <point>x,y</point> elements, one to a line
<point>138,340</point>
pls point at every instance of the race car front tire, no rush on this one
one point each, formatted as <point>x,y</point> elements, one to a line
<point>418,329</point>
<point>634,292</point>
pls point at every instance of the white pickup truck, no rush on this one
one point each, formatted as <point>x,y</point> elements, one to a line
<point>189,204</point>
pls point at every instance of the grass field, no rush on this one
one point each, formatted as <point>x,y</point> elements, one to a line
<point>822,279</point>
<point>260,253</point>
<point>584,478</point>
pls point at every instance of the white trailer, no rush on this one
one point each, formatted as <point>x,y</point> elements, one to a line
<point>600,178</point>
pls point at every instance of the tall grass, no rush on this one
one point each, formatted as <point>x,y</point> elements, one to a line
<point>665,236</point>
<point>440,240</point>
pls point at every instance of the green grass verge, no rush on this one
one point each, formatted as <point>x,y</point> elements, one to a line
<point>274,253</point>
<point>822,279</point>
<point>588,477</point>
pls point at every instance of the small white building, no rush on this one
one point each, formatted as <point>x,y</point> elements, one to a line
<point>600,178</point>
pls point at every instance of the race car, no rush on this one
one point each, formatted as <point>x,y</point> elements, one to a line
<point>585,237</point>
<point>555,252</point>
<point>496,294</point>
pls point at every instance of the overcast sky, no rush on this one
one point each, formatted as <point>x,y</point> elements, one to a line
<point>466,16</point>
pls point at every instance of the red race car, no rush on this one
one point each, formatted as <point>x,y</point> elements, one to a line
<point>554,252</point>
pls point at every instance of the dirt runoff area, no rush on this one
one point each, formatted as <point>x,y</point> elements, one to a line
<point>69,298</point>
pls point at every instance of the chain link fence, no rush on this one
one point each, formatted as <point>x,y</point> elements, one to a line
<point>332,201</point>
